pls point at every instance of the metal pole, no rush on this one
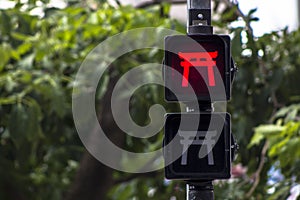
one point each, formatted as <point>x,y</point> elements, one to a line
<point>200,190</point>
<point>199,17</point>
<point>199,4</point>
<point>199,22</point>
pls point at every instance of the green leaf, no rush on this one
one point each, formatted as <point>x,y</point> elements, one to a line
<point>282,112</point>
<point>4,55</point>
<point>283,191</point>
<point>27,62</point>
<point>278,147</point>
<point>24,123</point>
<point>237,42</point>
<point>17,124</point>
<point>19,36</point>
<point>288,113</point>
<point>8,100</point>
<point>5,20</point>
<point>166,8</point>
<point>252,11</point>
<point>25,77</point>
<point>291,116</point>
<point>24,48</point>
<point>254,19</point>
<point>10,84</point>
<point>230,14</point>
<point>265,131</point>
<point>269,129</point>
<point>256,139</point>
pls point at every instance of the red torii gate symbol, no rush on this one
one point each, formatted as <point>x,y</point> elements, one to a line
<point>198,59</point>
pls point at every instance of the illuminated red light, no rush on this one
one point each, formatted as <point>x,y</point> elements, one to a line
<point>198,59</point>
<point>197,68</point>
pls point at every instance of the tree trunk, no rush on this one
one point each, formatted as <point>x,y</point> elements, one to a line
<point>94,179</point>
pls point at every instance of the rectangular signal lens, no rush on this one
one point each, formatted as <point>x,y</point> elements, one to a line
<point>197,67</point>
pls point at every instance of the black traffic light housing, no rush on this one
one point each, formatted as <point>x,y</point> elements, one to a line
<point>183,146</point>
<point>198,70</point>
<point>197,66</point>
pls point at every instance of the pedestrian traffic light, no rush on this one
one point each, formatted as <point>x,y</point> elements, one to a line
<point>197,153</point>
<point>197,66</point>
<point>198,70</point>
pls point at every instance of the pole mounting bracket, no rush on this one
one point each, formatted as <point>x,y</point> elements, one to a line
<point>199,17</point>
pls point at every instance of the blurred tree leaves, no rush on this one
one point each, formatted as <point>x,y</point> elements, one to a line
<point>40,54</point>
<point>284,147</point>
<point>39,57</point>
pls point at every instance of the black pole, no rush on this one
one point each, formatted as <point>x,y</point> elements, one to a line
<point>199,22</point>
<point>203,190</point>
<point>199,17</point>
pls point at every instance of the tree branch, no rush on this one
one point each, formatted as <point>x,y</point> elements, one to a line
<point>240,14</point>
<point>136,175</point>
<point>259,169</point>
<point>156,2</point>
<point>94,179</point>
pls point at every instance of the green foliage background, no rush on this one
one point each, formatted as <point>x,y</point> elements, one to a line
<point>40,55</point>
